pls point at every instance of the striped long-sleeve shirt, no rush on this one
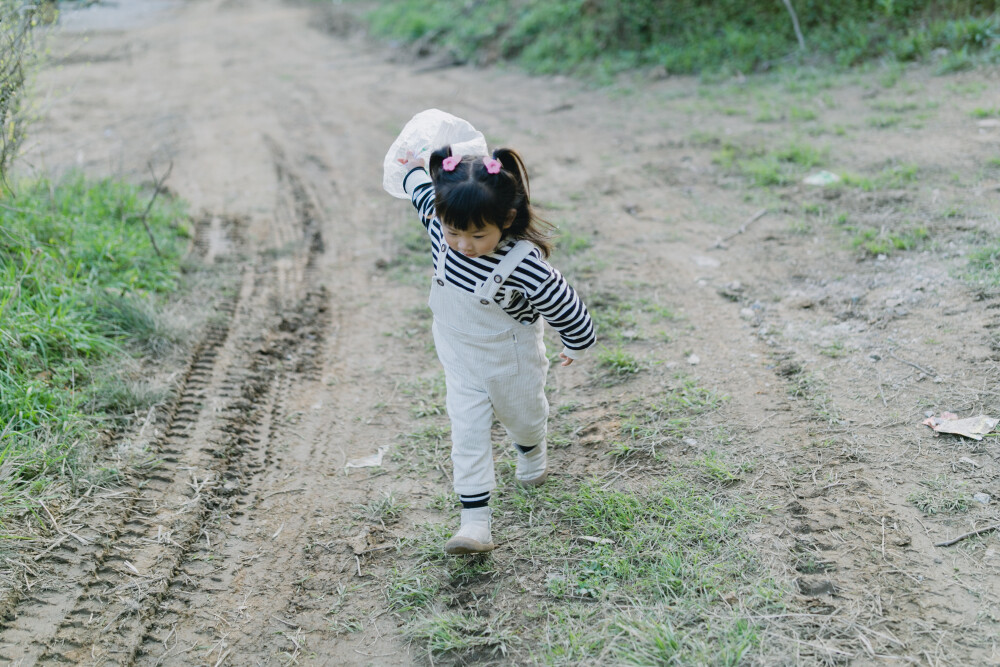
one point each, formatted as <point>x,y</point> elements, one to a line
<point>539,289</point>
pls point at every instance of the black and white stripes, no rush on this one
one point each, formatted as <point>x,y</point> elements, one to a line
<point>539,288</point>
<point>474,501</point>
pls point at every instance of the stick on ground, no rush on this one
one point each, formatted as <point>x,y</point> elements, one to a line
<point>958,539</point>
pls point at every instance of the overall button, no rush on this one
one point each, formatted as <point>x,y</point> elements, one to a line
<point>439,281</point>
<point>497,279</point>
<point>485,302</point>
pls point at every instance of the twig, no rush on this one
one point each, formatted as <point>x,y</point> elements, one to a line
<point>157,187</point>
<point>910,363</point>
<point>958,539</point>
<point>720,242</point>
<point>223,657</point>
<point>294,626</point>
<point>883,538</point>
<point>795,24</point>
<point>275,493</point>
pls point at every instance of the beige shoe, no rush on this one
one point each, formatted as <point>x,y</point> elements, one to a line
<point>474,534</point>
<point>531,467</point>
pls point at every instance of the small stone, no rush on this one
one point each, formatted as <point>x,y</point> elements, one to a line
<point>983,498</point>
<point>694,360</point>
<point>822,587</point>
<point>705,262</point>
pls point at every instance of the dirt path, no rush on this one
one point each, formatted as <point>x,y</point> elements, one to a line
<point>242,545</point>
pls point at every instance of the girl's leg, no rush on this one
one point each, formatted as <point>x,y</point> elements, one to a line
<point>471,417</point>
<point>521,406</point>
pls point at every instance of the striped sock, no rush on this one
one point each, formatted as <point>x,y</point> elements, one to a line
<point>474,501</point>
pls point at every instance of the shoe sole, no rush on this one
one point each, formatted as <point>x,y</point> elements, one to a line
<point>536,481</point>
<point>460,546</point>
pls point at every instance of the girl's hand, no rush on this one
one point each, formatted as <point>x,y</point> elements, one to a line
<point>566,361</point>
<point>408,161</point>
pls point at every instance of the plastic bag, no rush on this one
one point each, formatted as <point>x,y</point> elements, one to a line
<point>427,131</point>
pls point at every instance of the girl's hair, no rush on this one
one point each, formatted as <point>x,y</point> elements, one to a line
<point>469,195</point>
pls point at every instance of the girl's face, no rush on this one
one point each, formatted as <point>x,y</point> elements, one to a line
<point>473,242</point>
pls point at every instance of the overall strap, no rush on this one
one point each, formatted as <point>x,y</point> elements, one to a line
<point>506,267</point>
<point>442,253</point>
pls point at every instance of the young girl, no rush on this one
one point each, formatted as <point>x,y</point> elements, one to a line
<point>490,288</point>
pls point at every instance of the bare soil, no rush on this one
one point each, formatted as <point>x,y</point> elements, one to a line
<point>242,544</point>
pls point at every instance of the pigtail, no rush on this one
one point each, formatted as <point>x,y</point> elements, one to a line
<point>437,157</point>
<point>527,224</point>
<point>514,165</point>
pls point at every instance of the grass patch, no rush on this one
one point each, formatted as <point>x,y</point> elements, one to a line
<point>641,575</point>
<point>385,509</point>
<point>650,425</point>
<point>616,364</point>
<point>894,176</point>
<point>80,287</point>
<point>428,396</point>
<point>983,268</point>
<point>763,168</point>
<point>411,259</point>
<point>980,112</point>
<point>885,241</point>
<point>571,242</point>
<point>941,495</point>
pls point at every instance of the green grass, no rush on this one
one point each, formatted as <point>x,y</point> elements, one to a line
<point>637,575</point>
<point>409,264</point>
<point>385,509</point>
<point>980,112</point>
<point>984,266</point>
<point>80,284</point>
<point>652,424</point>
<point>893,176</point>
<point>715,40</point>
<point>427,395</point>
<point>769,168</point>
<point>885,241</point>
<point>941,495</point>
<point>616,364</point>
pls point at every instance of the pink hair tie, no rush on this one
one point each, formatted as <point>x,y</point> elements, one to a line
<point>492,165</point>
<point>450,162</point>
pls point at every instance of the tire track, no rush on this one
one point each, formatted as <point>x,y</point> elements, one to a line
<point>203,609</point>
<point>81,573</point>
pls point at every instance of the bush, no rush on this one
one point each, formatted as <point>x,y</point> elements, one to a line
<point>687,36</point>
<point>17,17</point>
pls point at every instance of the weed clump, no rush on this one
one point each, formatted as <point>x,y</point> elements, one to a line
<point>79,279</point>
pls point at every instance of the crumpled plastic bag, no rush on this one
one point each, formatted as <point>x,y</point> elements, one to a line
<point>425,132</point>
<point>971,427</point>
<point>372,461</point>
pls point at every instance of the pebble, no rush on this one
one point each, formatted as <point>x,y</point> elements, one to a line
<point>983,498</point>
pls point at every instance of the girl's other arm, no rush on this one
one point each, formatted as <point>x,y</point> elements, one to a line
<point>561,307</point>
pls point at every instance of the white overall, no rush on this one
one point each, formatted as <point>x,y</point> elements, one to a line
<point>492,364</point>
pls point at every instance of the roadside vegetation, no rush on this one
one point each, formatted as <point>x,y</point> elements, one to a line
<point>81,280</point>
<point>16,20</point>
<point>599,38</point>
